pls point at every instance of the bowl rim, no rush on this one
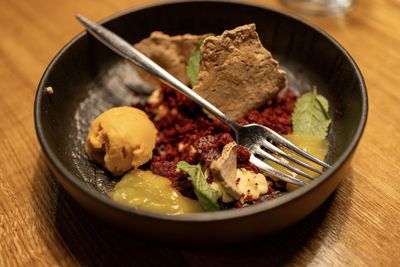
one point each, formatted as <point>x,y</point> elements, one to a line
<point>203,216</point>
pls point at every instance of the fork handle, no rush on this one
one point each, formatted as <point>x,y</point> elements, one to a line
<point>127,51</point>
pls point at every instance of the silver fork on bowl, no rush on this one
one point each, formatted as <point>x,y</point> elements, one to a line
<point>259,139</point>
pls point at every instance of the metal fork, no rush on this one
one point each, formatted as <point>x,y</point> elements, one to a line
<point>258,139</point>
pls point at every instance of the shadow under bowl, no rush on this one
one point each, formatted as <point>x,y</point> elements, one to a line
<point>87,79</point>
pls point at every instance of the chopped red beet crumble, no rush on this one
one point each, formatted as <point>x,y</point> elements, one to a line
<point>186,133</point>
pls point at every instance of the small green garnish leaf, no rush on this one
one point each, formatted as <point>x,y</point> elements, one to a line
<point>205,194</point>
<point>193,64</point>
<point>311,115</point>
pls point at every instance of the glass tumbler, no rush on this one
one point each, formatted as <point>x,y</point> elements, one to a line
<point>320,7</point>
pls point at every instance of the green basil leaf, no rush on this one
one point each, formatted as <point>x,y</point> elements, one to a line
<point>207,197</point>
<point>311,115</point>
<point>193,64</point>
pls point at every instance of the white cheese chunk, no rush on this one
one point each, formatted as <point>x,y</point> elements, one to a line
<point>251,185</point>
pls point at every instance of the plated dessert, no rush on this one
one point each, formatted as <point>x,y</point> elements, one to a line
<point>175,158</point>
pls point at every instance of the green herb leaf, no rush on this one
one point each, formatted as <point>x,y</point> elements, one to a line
<point>193,65</point>
<point>207,197</point>
<point>311,115</point>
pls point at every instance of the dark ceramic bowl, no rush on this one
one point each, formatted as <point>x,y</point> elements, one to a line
<point>87,79</point>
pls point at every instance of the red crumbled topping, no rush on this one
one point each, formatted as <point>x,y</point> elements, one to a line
<point>276,114</point>
<point>186,133</point>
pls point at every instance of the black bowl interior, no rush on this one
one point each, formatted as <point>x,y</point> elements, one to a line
<point>88,78</point>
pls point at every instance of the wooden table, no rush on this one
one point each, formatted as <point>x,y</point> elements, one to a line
<point>41,225</point>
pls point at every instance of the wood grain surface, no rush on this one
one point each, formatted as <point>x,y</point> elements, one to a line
<point>40,225</point>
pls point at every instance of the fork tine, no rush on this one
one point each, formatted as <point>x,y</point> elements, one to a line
<point>273,172</point>
<point>259,151</point>
<point>286,143</point>
<point>278,151</point>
